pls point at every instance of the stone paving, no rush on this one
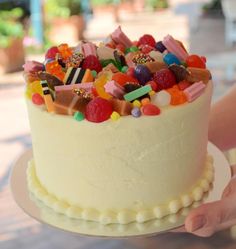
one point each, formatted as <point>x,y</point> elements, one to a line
<point>17,230</point>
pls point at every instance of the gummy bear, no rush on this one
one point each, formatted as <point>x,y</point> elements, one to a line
<point>64,51</point>
<point>55,69</point>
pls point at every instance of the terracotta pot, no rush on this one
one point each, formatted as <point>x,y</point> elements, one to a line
<point>68,30</point>
<point>12,58</point>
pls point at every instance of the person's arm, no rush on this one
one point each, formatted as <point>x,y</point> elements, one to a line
<point>222,125</point>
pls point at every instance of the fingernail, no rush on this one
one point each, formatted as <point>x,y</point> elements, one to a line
<point>197,223</point>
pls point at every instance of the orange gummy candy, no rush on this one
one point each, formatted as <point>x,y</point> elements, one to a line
<point>55,69</point>
<point>177,97</point>
<point>122,78</point>
<point>65,51</point>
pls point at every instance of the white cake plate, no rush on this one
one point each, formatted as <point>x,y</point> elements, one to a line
<point>43,214</point>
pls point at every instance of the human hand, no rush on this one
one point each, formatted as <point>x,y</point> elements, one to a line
<point>215,216</point>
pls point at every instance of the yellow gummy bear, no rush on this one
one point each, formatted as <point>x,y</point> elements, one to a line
<point>99,85</point>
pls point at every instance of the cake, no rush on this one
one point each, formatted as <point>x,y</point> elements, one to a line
<point>119,129</point>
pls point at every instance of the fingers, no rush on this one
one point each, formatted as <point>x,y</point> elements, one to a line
<point>230,189</point>
<point>211,217</point>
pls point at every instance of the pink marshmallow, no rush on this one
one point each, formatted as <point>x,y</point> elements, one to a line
<point>32,66</point>
<point>114,89</point>
<point>174,47</point>
<point>85,86</point>
<point>194,91</point>
<point>119,37</point>
<point>89,49</point>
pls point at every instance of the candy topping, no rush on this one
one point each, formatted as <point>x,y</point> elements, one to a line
<point>116,78</point>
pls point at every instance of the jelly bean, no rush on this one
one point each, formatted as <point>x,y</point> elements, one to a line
<point>151,110</point>
<point>171,59</point>
<point>122,78</point>
<point>94,73</point>
<point>195,61</point>
<point>124,69</point>
<point>78,116</point>
<point>145,101</point>
<point>137,93</point>
<point>142,74</point>
<point>136,103</point>
<point>161,98</point>
<point>151,93</point>
<point>37,99</point>
<point>160,46</point>
<point>136,112</point>
<point>115,116</point>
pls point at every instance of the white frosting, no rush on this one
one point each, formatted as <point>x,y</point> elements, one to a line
<point>130,164</point>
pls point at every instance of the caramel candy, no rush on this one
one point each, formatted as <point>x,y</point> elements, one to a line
<point>68,102</point>
<point>121,106</point>
<point>198,74</point>
<point>155,66</point>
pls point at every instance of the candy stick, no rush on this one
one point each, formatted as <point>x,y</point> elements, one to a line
<point>89,49</point>
<point>120,37</point>
<point>86,86</point>
<point>137,93</point>
<point>194,91</point>
<point>47,96</point>
<point>174,47</point>
<point>114,89</point>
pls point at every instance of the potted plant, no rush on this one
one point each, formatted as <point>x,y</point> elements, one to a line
<point>11,40</point>
<point>65,20</point>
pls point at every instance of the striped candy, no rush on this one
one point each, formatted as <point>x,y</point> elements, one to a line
<point>77,75</point>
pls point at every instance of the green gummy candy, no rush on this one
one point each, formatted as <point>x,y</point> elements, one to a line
<point>79,116</point>
<point>137,93</point>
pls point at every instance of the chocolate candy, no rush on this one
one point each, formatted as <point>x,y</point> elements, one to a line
<point>198,74</point>
<point>180,72</point>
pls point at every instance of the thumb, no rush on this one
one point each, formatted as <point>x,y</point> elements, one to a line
<point>211,217</point>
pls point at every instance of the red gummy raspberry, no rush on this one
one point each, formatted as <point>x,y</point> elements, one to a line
<point>147,40</point>
<point>98,110</point>
<point>51,53</point>
<point>91,62</point>
<point>153,85</point>
<point>164,79</point>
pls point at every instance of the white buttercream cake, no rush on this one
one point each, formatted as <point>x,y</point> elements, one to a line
<point>119,130</point>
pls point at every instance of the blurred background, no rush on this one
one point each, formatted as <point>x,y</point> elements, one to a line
<point>28,28</point>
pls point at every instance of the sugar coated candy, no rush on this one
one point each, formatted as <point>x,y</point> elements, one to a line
<point>171,59</point>
<point>136,112</point>
<point>98,110</point>
<point>142,74</point>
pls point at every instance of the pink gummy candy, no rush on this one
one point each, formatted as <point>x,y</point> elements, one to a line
<point>194,91</point>
<point>174,47</point>
<point>32,66</point>
<point>114,89</point>
<point>120,37</point>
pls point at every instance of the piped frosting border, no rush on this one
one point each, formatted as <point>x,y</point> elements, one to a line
<point>124,216</point>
